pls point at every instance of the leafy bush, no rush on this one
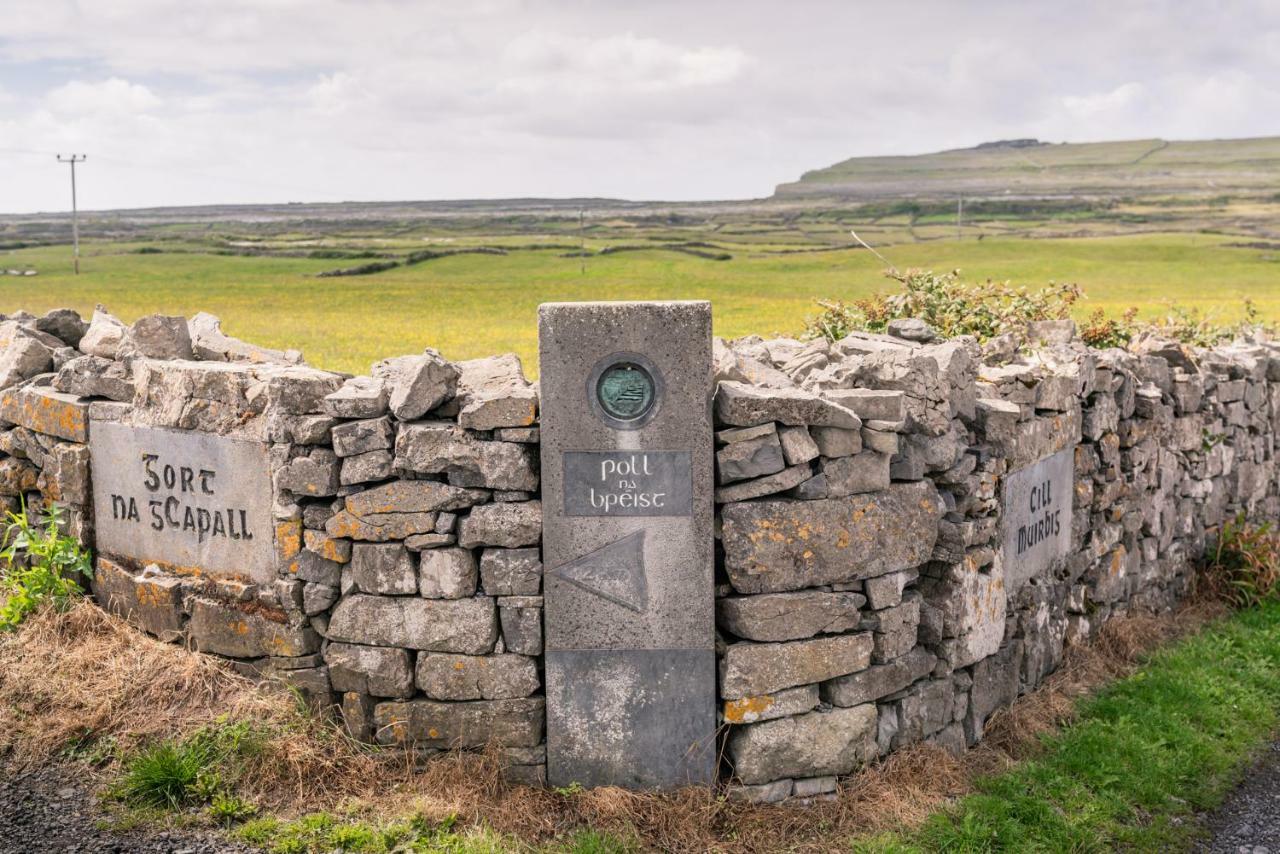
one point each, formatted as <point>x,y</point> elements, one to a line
<point>949,304</point>
<point>41,565</point>
<point>1244,566</point>
<point>1103,332</point>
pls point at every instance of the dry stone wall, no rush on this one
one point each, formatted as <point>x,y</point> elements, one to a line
<point>909,531</point>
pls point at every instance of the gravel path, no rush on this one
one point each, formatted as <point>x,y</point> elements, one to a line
<point>1249,821</point>
<point>54,809</point>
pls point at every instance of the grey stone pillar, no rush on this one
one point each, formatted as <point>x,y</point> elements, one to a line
<point>626,393</point>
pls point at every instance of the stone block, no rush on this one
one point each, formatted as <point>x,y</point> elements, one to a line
<point>373,670</point>
<point>298,390</point>
<point>327,547</point>
<point>511,572</point>
<point>837,441</point>
<point>870,404</point>
<point>443,676</point>
<point>742,405</point>
<point>359,397</point>
<point>46,411</point>
<point>767,707</point>
<point>356,711</point>
<point>157,336</point>
<point>239,631</point>
<point>385,568</point>
<point>17,477</point>
<point>494,394</point>
<point>895,629</point>
<point>750,459</point>
<point>783,544</point>
<point>447,573</point>
<point>365,468</point>
<point>103,336</point>
<point>834,742</point>
<point>152,603</point>
<point>441,447</point>
<point>316,474</point>
<point>880,441</point>
<point>208,342</point>
<point>864,472</point>
<point>885,591</point>
<point>360,437</point>
<point>995,686</point>
<point>317,598</point>
<point>789,616</point>
<point>432,724</point>
<point>521,619</point>
<point>780,482</point>
<point>509,525</point>
<point>417,384</point>
<point>764,793</point>
<point>751,669</point>
<point>798,445</point>
<point>89,376</point>
<point>879,680</point>
<point>467,626</point>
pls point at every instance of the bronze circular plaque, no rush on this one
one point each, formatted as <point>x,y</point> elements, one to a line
<point>625,391</point>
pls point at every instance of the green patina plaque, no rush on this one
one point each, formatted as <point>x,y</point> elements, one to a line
<point>625,391</point>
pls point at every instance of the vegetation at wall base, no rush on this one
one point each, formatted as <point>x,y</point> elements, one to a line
<point>38,564</point>
<point>295,784</point>
<point>1243,567</point>
<point>1146,754</point>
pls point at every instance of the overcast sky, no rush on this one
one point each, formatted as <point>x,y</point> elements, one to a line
<point>189,102</point>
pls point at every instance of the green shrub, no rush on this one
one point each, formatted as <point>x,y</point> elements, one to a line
<point>1103,332</point>
<point>41,564</point>
<point>1244,566</point>
<point>229,809</point>
<point>949,304</point>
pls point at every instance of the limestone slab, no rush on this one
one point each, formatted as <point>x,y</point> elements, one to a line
<point>191,501</point>
<point>628,576</point>
<point>1037,517</point>
<point>782,544</point>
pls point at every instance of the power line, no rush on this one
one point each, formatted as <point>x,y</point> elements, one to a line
<point>75,216</point>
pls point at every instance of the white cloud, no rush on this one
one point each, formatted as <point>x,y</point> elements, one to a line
<point>1122,98</point>
<point>113,96</point>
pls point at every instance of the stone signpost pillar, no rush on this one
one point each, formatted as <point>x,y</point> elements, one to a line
<point>626,392</point>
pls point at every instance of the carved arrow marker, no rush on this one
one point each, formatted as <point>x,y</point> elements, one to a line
<point>614,572</point>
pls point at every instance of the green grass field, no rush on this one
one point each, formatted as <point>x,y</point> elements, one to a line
<point>474,305</point>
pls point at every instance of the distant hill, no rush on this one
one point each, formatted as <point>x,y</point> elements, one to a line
<point>1028,168</point>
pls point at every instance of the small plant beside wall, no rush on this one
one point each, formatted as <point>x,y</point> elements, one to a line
<point>1244,567</point>
<point>39,565</point>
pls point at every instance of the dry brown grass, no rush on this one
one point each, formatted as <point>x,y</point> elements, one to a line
<point>65,675</point>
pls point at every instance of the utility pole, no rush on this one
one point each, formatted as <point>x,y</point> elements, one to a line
<point>582,241</point>
<point>75,216</point>
<point>959,216</point>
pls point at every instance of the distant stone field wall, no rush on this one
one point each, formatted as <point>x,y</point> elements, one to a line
<point>908,531</point>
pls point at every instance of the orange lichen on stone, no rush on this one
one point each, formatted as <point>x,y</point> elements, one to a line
<point>289,539</point>
<point>46,411</point>
<point>746,709</point>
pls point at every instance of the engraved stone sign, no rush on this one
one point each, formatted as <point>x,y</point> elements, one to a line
<point>189,501</point>
<point>1037,517</point>
<point>626,393</point>
<point>627,483</point>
